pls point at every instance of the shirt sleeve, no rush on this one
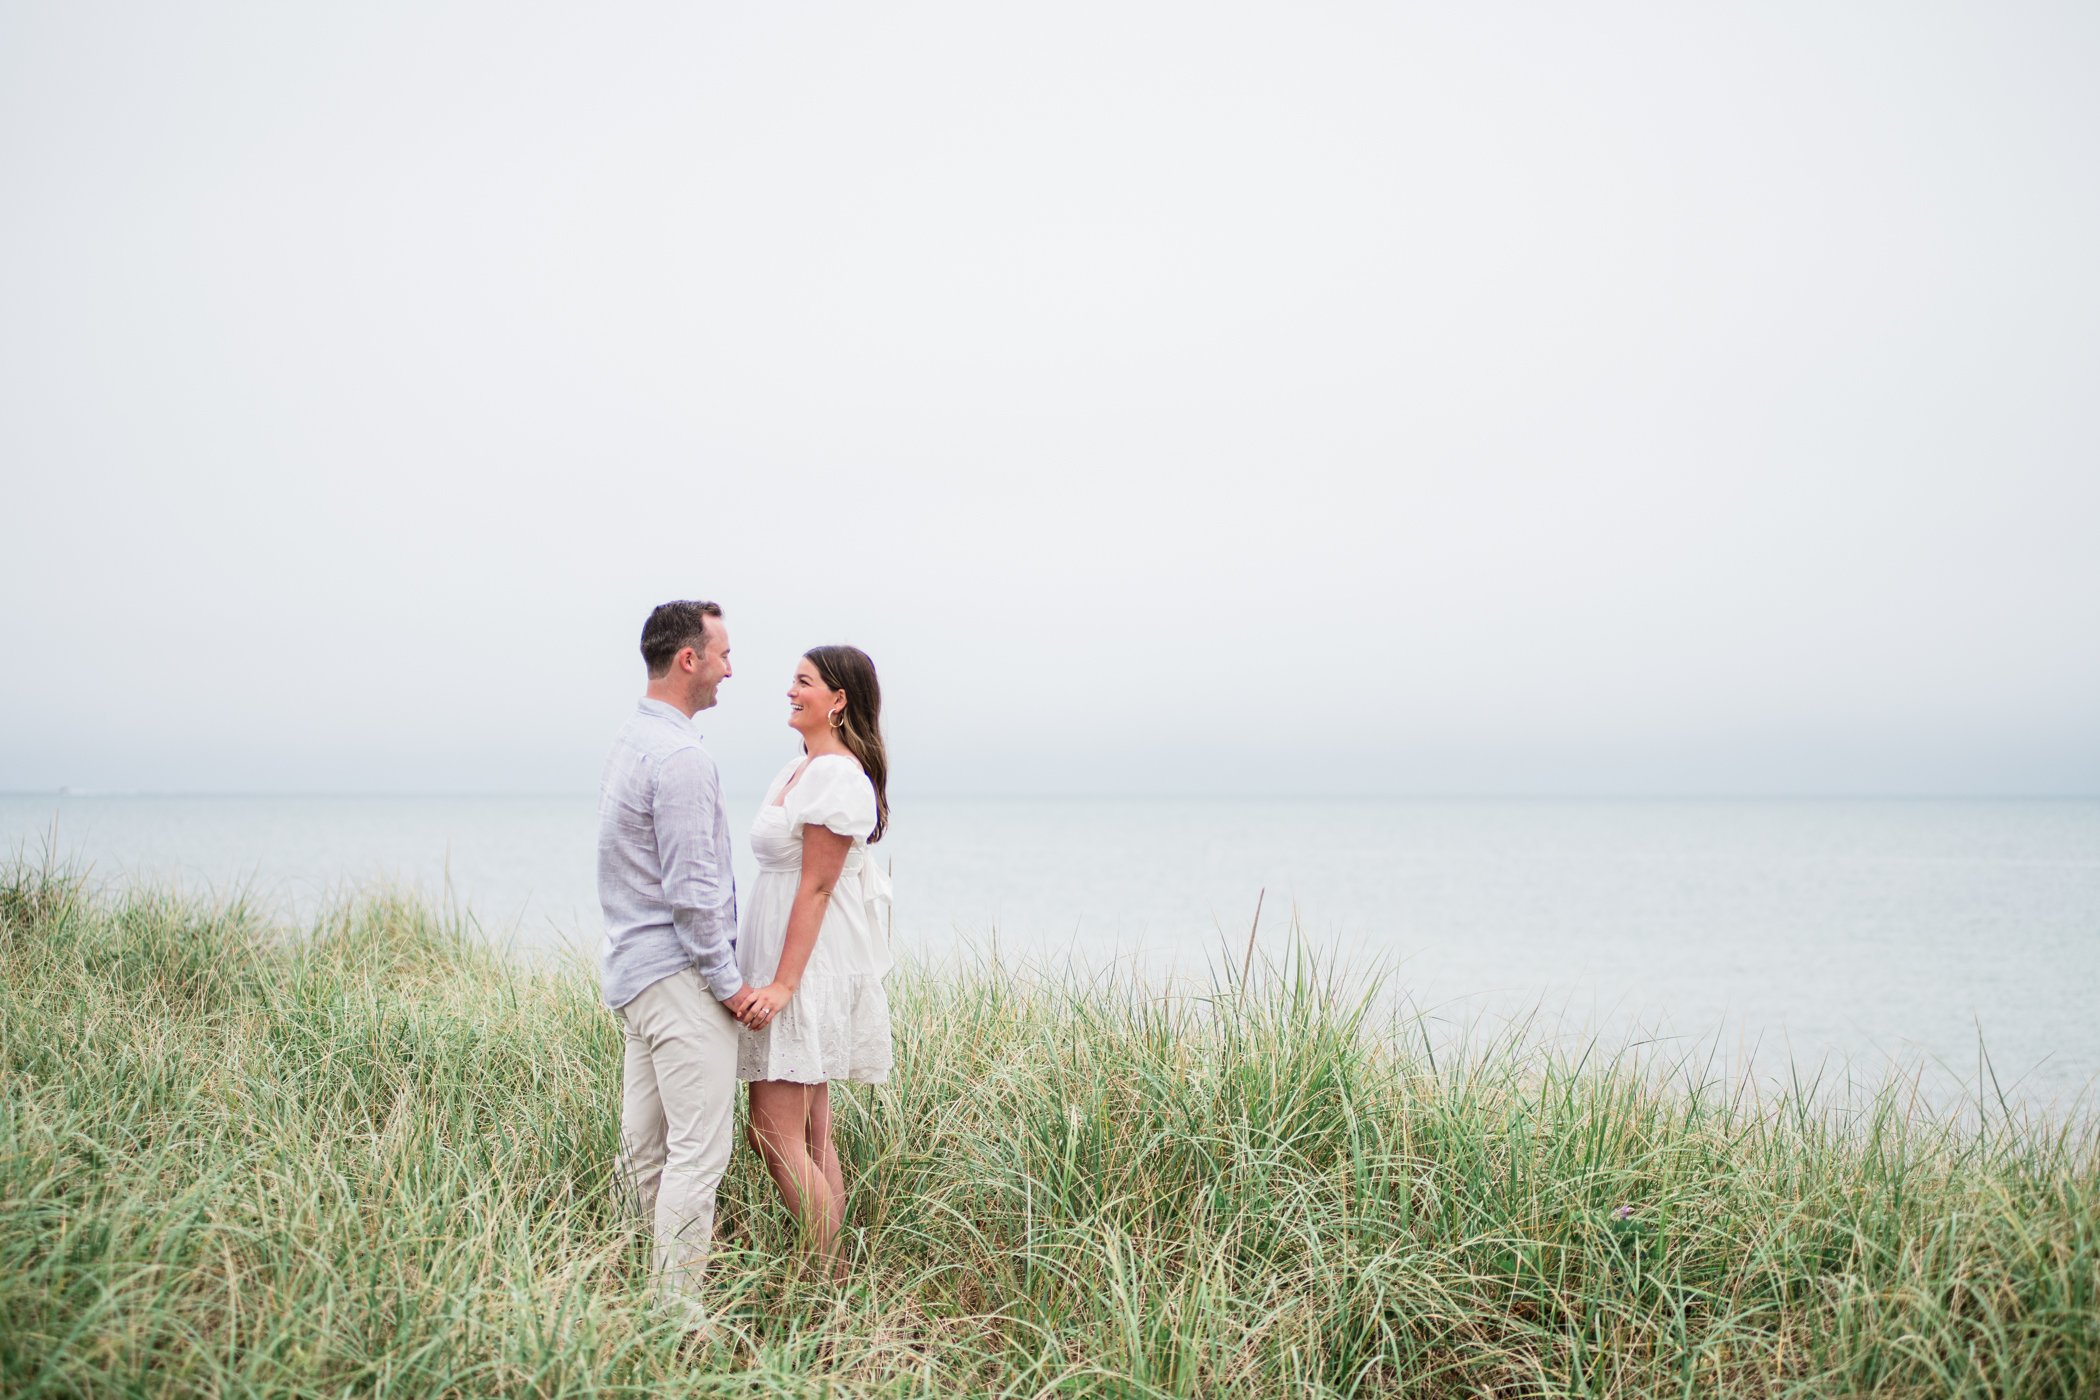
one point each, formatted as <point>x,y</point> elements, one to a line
<point>698,880</point>
<point>835,794</point>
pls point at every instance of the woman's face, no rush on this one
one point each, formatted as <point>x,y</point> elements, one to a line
<point>811,703</point>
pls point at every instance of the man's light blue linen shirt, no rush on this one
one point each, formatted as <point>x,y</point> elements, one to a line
<point>664,875</point>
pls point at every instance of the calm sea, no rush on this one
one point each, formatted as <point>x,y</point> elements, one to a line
<point>1822,933</point>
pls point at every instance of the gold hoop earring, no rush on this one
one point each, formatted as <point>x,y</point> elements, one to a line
<point>838,719</point>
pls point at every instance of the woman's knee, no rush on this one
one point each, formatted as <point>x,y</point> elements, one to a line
<point>773,1126</point>
<point>773,1143</point>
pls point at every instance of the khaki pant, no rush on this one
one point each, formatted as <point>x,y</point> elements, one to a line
<point>678,1104</point>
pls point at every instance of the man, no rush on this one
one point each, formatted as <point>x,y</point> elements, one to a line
<point>669,965</point>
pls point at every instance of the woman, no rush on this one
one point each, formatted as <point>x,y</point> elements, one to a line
<point>813,939</point>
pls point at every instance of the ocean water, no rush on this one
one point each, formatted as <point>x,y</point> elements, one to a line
<point>1845,936</point>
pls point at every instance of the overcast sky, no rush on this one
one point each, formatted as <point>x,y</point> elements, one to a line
<point>1462,398</point>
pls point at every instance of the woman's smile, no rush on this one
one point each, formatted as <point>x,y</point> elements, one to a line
<point>811,703</point>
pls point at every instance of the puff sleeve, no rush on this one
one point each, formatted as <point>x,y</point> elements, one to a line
<point>834,793</point>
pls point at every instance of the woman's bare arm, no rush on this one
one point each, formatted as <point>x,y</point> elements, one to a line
<point>823,858</point>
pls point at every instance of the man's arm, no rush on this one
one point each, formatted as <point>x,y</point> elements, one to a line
<point>695,869</point>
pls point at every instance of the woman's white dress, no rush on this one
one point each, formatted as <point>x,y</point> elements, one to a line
<point>837,1026</point>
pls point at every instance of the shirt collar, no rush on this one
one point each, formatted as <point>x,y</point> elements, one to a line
<point>664,709</point>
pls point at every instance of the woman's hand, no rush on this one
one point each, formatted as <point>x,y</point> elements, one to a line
<point>765,1004</point>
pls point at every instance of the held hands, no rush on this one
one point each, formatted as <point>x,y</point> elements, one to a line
<point>765,1004</point>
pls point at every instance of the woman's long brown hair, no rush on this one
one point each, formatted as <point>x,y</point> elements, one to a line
<point>848,670</point>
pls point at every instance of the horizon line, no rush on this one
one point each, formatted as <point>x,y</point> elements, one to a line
<point>1101,795</point>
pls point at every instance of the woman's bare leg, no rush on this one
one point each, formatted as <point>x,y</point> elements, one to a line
<point>824,1152</point>
<point>779,1128</point>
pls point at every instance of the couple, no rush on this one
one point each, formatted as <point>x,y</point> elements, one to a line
<point>787,1002</point>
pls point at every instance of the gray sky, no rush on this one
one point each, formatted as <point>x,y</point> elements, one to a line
<point>1456,398</point>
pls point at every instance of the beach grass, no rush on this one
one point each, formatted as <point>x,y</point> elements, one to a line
<point>371,1157</point>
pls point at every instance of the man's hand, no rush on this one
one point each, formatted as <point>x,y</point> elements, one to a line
<point>741,1001</point>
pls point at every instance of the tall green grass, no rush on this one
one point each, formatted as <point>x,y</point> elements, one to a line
<point>374,1158</point>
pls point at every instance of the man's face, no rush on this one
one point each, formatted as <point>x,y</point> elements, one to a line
<point>710,666</point>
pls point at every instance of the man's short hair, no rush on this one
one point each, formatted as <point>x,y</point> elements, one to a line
<point>672,628</point>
